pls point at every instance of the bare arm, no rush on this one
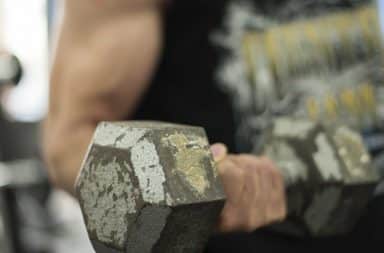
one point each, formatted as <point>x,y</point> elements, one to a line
<point>105,56</point>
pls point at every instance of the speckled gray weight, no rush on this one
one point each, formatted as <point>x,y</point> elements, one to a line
<point>327,171</point>
<point>149,187</point>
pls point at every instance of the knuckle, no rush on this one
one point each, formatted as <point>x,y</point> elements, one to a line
<point>267,161</point>
<point>279,213</point>
<point>277,176</point>
<point>243,156</point>
<point>249,160</point>
<point>267,173</point>
<point>273,170</point>
<point>225,166</point>
<point>226,162</point>
<point>247,174</point>
<point>254,175</point>
<point>239,173</point>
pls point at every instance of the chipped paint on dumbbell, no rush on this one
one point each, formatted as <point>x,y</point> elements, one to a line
<point>286,127</point>
<point>356,158</point>
<point>188,156</point>
<point>107,209</point>
<point>326,160</point>
<point>115,135</point>
<point>149,171</point>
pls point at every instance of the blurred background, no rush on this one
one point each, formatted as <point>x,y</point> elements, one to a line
<point>24,31</point>
<point>33,216</point>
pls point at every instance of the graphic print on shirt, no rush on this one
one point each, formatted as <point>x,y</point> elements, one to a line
<point>317,59</point>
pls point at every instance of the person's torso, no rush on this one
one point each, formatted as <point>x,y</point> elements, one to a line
<point>301,58</point>
<point>184,89</point>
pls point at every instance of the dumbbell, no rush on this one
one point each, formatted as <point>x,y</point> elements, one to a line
<point>154,187</point>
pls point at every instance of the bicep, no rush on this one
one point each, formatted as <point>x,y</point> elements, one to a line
<point>103,61</point>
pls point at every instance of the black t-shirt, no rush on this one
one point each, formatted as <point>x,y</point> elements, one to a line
<point>184,89</point>
<point>190,86</point>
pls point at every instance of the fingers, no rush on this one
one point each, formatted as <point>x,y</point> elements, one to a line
<point>232,178</point>
<point>277,208</point>
<point>255,193</point>
<point>251,192</point>
<point>219,151</point>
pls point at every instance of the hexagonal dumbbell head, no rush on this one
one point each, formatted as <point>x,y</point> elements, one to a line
<point>149,187</point>
<point>327,171</point>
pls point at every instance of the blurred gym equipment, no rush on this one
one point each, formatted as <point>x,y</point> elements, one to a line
<point>11,70</point>
<point>24,185</point>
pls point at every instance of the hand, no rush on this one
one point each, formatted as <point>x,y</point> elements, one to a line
<point>254,189</point>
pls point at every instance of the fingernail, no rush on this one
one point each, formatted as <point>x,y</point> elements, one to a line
<point>218,151</point>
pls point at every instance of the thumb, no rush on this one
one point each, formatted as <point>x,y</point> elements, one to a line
<point>219,151</point>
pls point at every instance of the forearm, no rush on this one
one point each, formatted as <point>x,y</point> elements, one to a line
<point>63,151</point>
<point>99,74</point>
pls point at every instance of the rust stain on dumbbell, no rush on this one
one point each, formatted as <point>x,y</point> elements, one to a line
<point>189,156</point>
